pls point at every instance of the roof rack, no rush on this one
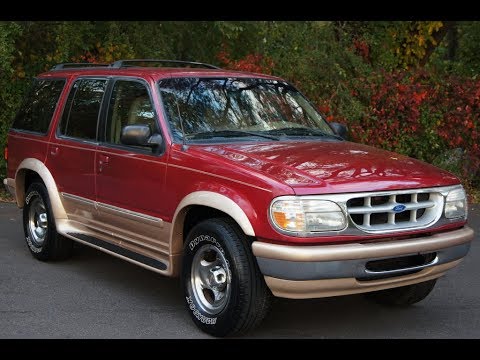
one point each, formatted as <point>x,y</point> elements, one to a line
<point>76,65</point>
<point>126,63</point>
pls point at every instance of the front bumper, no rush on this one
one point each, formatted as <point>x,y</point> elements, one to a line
<point>331,270</point>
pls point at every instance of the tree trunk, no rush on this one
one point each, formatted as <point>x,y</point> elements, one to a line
<point>438,36</point>
<point>452,37</point>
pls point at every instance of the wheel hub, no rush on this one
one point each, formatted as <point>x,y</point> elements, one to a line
<point>210,279</point>
<point>218,278</point>
<point>37,221</point>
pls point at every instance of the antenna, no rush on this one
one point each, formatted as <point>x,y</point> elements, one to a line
<point>184,139</point>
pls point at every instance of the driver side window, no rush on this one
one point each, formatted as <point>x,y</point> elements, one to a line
<point>129,105</point>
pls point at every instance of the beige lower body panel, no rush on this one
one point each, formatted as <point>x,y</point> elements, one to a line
<point>363,251</point>
<point>138,233</point>
<point>347,286</point>
<point>172,262</point>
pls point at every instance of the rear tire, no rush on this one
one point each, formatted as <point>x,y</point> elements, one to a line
<point>224,290</point>
<point>41,235</point>
<point>404,295</point>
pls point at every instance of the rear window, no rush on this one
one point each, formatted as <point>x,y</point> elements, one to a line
<point>39,105</point>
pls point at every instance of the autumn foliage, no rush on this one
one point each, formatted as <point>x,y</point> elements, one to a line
<point>255,63</point>
<point>417,115</point>
<point>408,86</point>
<point>103,53</point>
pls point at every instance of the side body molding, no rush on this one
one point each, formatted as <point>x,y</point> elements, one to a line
<point>40,168</point>
<point>210,199</point>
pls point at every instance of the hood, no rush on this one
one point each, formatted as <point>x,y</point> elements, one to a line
<point>317,167</point>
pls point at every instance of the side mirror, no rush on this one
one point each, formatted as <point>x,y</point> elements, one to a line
<point>140,135</point>
<point>340,129</point>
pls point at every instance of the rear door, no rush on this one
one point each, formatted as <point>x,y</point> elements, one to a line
<point>71,156</point>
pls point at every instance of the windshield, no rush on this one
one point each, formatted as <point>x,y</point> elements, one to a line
<point>239,107</point>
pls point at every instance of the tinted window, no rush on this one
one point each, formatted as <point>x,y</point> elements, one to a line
<point>39,105</point>
<point>130,105</point>
<point>80,115</point>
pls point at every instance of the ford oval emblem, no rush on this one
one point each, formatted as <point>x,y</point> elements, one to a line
<point>399,208</point>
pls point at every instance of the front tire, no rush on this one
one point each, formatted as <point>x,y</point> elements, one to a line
<point>404,295</point>
<point>224,290</point>
<point>41,235</point>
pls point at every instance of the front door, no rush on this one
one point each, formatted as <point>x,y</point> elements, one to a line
<point>130,179</point>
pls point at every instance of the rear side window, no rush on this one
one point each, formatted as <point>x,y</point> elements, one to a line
<point>39,105</point>
<point>80,115</point>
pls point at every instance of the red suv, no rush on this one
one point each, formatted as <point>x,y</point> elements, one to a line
<point>231,181</point>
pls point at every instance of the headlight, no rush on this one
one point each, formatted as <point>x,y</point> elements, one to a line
<point>456,204</point>
<point>307,216</point>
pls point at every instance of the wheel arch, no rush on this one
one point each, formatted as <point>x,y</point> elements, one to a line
<point>38,167</point>
<point>211,200</point>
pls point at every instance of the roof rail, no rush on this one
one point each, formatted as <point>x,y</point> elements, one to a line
<point>126,63</point>
<point>76,65</point>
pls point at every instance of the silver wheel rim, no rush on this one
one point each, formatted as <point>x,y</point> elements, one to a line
<point>37,221</point>
<point>210,279</point>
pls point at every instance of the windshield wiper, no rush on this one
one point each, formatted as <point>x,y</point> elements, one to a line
<point>300,131</point>
<point>229,133</point>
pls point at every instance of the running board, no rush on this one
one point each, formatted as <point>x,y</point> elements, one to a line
<point>119,251</point>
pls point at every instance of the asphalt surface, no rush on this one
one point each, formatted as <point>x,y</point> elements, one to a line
<point>94,295</point>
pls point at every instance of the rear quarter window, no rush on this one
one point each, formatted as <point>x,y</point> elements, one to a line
<point>36,112</point>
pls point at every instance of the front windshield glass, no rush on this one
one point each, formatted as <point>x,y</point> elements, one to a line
<point>238,107</point>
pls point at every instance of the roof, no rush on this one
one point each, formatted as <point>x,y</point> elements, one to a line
<point>155,73</point>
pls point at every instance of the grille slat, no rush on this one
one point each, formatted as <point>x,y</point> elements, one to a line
<point>388,207</point>
<point>391,218</point>
<point>366,219</point>
<point>376,212</point>
<point>413,216</point>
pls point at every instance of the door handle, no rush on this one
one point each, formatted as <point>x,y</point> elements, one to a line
<point>103,160</point>
<point>54,151</point>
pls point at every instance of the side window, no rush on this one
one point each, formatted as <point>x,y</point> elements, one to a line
<point>39,105</point>
<point>129,105</point>
<point>80,115</point>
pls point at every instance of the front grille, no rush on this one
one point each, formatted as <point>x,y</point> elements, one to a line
<point>376,212</point>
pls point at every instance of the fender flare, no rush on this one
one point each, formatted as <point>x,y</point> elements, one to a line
<point>47,178</point>
<point>213,200</point>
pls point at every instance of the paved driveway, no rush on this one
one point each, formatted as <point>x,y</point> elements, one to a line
<point>94,295</point>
